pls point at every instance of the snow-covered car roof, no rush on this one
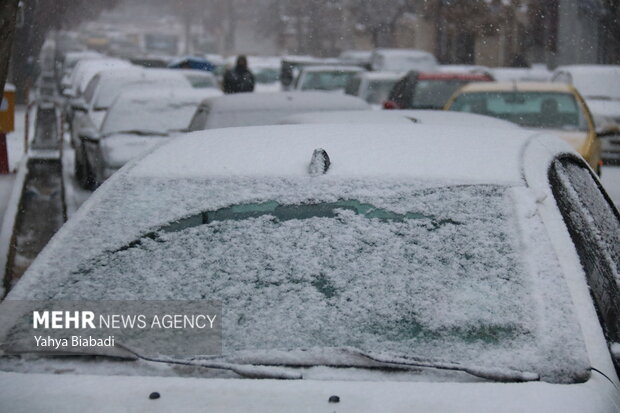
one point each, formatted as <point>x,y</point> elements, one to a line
<point>328,68</point>
<point>355,150</point>
<point>507,74</point>
<point>464,68</point>
<point>240,102</point>
<point>91,67</point>
<point>427,117</point>
<point>379,75</point>
<point>253,109</point>
<point>592,81</point>
<point>517,86</point>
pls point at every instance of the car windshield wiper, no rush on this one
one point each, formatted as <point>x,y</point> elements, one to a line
<point>501,374</point>
<point>124,353</point>
<point>317,357</point>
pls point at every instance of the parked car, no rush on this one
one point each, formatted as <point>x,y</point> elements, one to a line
<point>421,90</point>
<point>554,107</point>
<point>90,110</point>
<point>402,60</point>
<point>373,87</point>
<point>254,109</point>
<point>136,121</point>
<point>600,87</point>
<point>325,78</point>
<point>361,268</point>
<point>425,117</point>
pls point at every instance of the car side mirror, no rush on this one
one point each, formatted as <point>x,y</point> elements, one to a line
<point>90,135</point>
<point>78,105</point>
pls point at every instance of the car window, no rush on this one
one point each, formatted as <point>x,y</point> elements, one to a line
<point>594,226</point>
<point>267,75</point>
<point>435,272</point>
<point>353,86</point>
<point>199,120</point>
<point>200,81</point>
<point>552,110</point>
<point>326,80</point>
<point>434,93</point>
<point>378,90</point>
<point>90,89</point>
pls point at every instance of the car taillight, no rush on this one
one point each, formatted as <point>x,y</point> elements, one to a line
<point>390,104</point>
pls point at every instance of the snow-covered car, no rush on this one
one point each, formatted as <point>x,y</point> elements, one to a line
<point>373,87</point>
<point>136,121</point>
<point>325,78</point>
<point>554,107</point>
<point>402,60</point>
<point>407,116</point>
<point>89,111</point>
<point>600,87</point>
<point>255,109</point>
<point>362,268</point>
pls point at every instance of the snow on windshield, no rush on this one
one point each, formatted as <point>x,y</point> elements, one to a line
<point>397,267</point>
<point>158,114</point>
<point>107,94</point>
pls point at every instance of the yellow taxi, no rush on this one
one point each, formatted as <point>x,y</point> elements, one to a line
<point>555,107</point>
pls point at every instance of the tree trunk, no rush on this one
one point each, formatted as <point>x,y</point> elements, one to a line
<point>8,16</point>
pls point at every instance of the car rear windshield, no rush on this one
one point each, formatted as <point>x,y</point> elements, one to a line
<point>550,110</point>
<point>434,93</point>
<point>147,114</point>
<point>451,273</point>
<point>332,80</point>
<point>379,90</point>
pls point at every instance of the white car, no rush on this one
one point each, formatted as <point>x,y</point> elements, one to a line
<point>90,109</point>
<point>600,87</point>
<point>360,268</point>
<point>425,117</point>
<point>598,84</point>
<point>325,78</point>
<point>373,87</point>
<point>255,109</point>
<point>136,121</point>
<point>402,60</point>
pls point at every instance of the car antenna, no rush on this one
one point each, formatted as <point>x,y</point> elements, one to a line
<point>319,164</point>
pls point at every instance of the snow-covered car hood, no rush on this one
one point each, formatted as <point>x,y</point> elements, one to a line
<point>120,148</point>
<point>76,393</point>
